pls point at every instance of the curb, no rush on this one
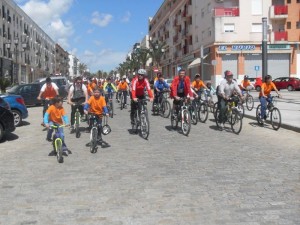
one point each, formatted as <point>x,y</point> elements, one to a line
<point>284,126</point>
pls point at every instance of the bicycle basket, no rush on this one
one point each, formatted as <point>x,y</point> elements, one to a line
<point>106,129</point>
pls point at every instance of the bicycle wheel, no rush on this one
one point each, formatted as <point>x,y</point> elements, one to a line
<point>215,109</point>
<point>111,112</point>
<point>165,108</point>
<point>58,148</point>
<point>258,118</point>
<point>249,102</point>
<point>93,139</point>
<point>236,121</point>
<point>122,101</point>
<point>211,105</point>
<point>193,115</point>
<point>275,118</point>
<point>203,113</point>
<point>241,109</point>
<point>145,126</point>
<point>216,115</point>
<point>186,122</point>
<point>174,119</point>
<point>77,122</point>
<point>135,123</point>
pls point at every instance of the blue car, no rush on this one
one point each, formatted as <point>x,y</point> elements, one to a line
<point>17,106</point>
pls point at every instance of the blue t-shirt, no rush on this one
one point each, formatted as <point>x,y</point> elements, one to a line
<point>160,85</point>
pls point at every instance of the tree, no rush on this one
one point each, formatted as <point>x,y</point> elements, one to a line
<point>82,67</point>
<point>4,83</point>
<point>156,51</point>
<point>143,56</point>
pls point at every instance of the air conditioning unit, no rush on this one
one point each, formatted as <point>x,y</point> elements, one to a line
<point>219,1</point>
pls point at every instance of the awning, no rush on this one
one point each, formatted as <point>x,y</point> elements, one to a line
<point>196,62</point>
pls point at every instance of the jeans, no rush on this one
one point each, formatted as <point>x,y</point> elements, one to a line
<point>264,102</point>
<point>222,106</point>
<point>125,96</point>
<point>134,107</point>
<point>60,131</point>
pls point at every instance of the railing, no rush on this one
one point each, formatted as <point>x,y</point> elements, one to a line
<point>232,12</point>
<point>280,36</point>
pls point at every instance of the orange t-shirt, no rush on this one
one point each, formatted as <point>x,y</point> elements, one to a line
<point>246,83</point>
<point>96,105</point>
<point>123,86</point>
<point>49,92</point>
<point>267,88</point>
<point>55,114</point>
<point>91,87</point>
<point>197,84</point>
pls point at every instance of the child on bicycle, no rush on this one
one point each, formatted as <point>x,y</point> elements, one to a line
<point>96,105</point>
<point>56,115</point>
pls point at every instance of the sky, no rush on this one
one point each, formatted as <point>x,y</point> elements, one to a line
<point>100,33</point>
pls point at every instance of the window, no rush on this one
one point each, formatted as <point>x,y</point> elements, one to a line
<point>288,25</point>
<point>298,24</point>
<point>256,27</point>
<point>288,1</point>
<point>202,13</point>
<point>256,7</point>
<point>228,27</point>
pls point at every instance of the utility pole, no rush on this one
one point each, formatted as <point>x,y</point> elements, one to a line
<point>264,49</point>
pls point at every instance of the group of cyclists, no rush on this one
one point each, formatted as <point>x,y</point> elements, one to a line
<point>92,97</point>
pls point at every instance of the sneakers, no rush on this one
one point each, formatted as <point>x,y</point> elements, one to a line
<point>49,139</point>
<point>65,151</point>
<point>43,125</point>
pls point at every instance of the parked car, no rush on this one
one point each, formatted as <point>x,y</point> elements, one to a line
<point>258,83</point>
<point>60,81</point>
<point>7,124</point>
<point>17,106</point>
<point>30,92</point>
<point>169,81</point>
<point>290,83</point>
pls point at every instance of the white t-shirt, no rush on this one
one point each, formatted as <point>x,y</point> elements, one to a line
<point>45,85</point>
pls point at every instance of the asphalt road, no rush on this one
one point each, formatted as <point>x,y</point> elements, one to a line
<point>209,177</point>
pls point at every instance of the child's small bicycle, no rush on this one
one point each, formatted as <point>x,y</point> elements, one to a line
<point>58,142</point>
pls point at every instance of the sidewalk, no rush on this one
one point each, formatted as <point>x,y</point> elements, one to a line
<point>289,106</point>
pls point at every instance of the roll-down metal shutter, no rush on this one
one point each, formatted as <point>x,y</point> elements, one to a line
<point>279,65</point>
<point>251,61</point>
<point>229,62</point>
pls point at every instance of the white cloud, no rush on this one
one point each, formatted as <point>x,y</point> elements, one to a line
<point>104,60</point>
<point>90,31</point>
<point>126,17</point>
<point>98,43</point>
<point>101,19</point>
<point>48,16</point>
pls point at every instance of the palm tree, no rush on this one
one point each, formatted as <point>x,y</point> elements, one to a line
<point>156,52</point>
<point>4,83</point>
<point>143,56</point>
<point>82,67</point>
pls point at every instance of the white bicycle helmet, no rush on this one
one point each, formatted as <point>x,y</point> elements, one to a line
<point>124,77</point>
<point>142,72</point>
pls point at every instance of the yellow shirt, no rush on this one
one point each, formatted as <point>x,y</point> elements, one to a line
<point>96,105</point>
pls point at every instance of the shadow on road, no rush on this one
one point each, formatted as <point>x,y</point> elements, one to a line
<point>169,128</point>
<point>9,137</point>
<point>25,123</point>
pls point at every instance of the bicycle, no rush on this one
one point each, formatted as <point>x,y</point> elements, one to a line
<point>209,100</point>
<point>58,143</point>
<point>110,104</point>
<point>232,116</point>
<point>122,99</point>
<point>77,120</point>
<point>272,112</point>
<point>202,108</point>
<point>183,116</point>
<point>249,100</point>
<point>96,131</point>
<point>163,106</point>
<point>141,120</point>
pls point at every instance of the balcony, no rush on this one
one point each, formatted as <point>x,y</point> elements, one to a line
<point>280,36</point>
<point>278,12</point>
<point>224,12</point>
<point>175,38</point>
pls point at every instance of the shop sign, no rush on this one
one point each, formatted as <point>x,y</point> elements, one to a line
<point>279,47</point>
<point>243,47</point>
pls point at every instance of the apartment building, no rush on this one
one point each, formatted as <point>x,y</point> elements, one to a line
<point>73,66</point>
<point>61,61</point>
<point>230,33</point>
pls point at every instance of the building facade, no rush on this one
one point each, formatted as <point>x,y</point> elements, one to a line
<point>73,66</point>
<point>26,51</point>
<point>230,34</point>
<point>61,61</point>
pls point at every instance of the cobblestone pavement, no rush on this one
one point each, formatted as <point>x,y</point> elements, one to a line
<point>209,177</point>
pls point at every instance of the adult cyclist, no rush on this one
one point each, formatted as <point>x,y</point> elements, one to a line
<point>226,91</point>
<point>48,91</point>
<point>77,96</point>
<point>139,84</point>
<point>180,88</point>
<point>159,85</point>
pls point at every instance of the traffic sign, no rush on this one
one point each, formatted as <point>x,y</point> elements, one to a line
<point>256,68</point>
